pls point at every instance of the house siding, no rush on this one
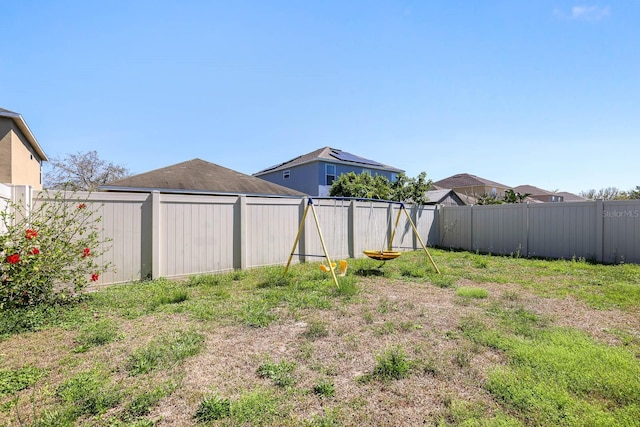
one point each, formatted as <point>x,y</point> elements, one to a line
<point>302,178</point>
<point>19,163</point>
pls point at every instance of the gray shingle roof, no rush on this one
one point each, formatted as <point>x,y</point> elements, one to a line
<point>331,154</point>
<point>532,190</point>
<point>199,176</point>
<point>467,180</point>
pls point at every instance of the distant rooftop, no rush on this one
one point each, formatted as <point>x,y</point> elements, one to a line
<point>24,128</point>
<point>328,153</point>
<point>467,180</point>
<point>199,176</point>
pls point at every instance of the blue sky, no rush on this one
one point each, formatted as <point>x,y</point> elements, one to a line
<point>539,92</point>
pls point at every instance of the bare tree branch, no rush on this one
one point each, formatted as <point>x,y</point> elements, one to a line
<point>81,171</point>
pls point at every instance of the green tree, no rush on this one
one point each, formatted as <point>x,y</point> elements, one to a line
<point>403,189</point>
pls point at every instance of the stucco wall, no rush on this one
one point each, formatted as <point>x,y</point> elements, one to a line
<point>19,163</point>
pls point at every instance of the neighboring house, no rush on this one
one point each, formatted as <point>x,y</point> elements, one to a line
<point>570,197</point>
<point>313,173</point>
<point>448,197</point>
<point>21,156</point>
<point>199,177</point>
<point>472,186</point>
<point>539,194</point>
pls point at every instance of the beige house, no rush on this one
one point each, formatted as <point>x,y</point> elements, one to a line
<point>539,194</point>
<point>21,156</point>
<point>472,186</point>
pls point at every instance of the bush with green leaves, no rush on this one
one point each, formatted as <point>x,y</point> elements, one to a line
<point>51,252</point>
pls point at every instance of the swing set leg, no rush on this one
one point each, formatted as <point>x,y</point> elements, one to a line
<point>324,247</point>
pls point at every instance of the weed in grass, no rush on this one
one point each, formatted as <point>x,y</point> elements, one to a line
<point>256,408</point>
<point>414,271</point>
<point>324,388</point>
<point>330,419</point>
<point>442,280</point>
<point>469,292</point>
<point>316,329</point>
<point>212,408</point>
<point>280,373</point>
<point>257,314</point>
<point>96,334</point>
<point>208,280</point>
<point>367,316</point>
<point>274,276</point>
<point>89,393</point>
<point>60,417</point>
<point>141,404</point>
<point>167,350</point>
<point>462,357</point>
<point>12,381</point>
<point>171,296</point>
<point>481,262</point>
<point>348,287</point>
<point>392,364</point>
<point>238,275</point>
<point>306,351</point>
<point>387,328</point>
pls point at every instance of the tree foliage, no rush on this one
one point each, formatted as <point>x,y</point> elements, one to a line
<point>83,171</point>
<point>510,196</point>
<point>611,193</point>
<point>365,186</point>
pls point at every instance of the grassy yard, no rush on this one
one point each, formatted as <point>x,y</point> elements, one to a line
<point>492,341</point>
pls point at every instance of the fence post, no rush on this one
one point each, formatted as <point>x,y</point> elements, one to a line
<point>240,233</point>
<point>599,241</point>
<point>351,227</point>
<point>156,268</point>
<point>471,229</point>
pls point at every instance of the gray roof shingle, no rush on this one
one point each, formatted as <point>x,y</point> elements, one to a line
<point>199,176</point>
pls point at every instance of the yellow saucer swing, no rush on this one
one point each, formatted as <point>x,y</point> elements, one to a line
<point>389,254</point>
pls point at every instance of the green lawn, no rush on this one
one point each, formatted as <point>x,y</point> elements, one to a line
<point>492,341</point>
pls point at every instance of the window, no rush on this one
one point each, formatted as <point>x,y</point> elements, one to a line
<point>286,174</point>
<point>494,192</point>
<point>394,177</point>
<point>330,172</point>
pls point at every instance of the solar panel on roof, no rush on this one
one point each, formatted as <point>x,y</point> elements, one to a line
<point>348,157</point>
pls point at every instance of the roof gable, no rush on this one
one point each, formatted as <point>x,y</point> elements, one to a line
<point>199,176</point>
<point>24,128</point>
<point>329,154</point>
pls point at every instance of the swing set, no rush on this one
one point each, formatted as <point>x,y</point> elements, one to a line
<point>383,255</point>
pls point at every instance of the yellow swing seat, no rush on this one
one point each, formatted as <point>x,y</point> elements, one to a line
<point>382,255</point>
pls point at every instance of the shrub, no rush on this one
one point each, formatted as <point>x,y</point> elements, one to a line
<point>50,254</point>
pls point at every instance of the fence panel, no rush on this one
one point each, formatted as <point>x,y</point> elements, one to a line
<point>563,230</point>
<point>455,227</point>
<point>122,223</point>
<point>197,234</point>
<point>426,220</point>
<point>271,228</point>
<point>500,229</point>
<point>621,230</point>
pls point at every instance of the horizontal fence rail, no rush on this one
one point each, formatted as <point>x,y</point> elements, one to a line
<point>174,235</point>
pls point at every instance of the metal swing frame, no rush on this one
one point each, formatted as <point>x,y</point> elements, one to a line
<point>389,254</point>
<point>324,247</point>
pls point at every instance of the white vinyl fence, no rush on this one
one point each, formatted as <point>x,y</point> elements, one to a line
<point>173,235</point>
<point>604,231</point>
